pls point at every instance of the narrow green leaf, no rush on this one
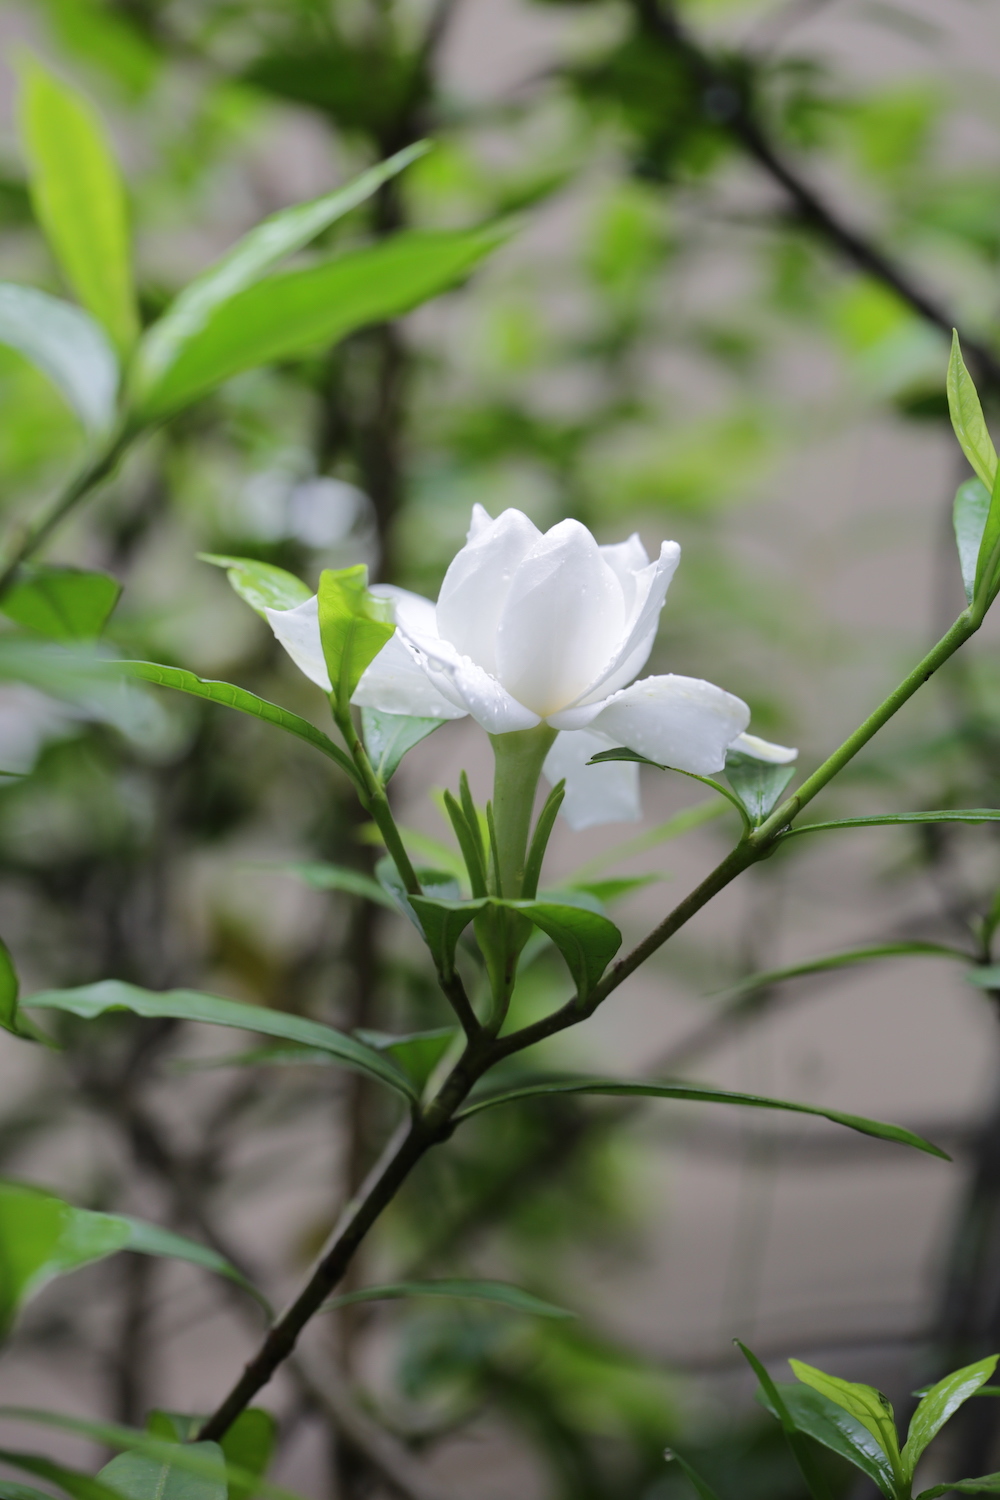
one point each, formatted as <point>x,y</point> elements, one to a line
<point>621,753</point>
<point>323,877</point>
<point>79,198</point>
<point>11,1018</point>
<point>864,1403</point>
<point>293,313</point>
<point>260,584</point>
<point>442,923</point>
<point>588,942</point>
<point>972,506</point>
<point>683,822</point>
<point>885,820</point>
<point>848,959</point>
<point>989,1484</point>
<point>442,884</point>
<point>456,1287</point>
<point>71,1481</point>
<point>804,1456</point>
<point>354,625</point>
<point>701,1486</point>
<point>65,604</point>
<point>699,1093</point>
<point>91,1000</point>
<point>829,1424</point>
<point>540,840</point>
<point>470,843</point>
<point>986,977</point>
<point>231,696</point>
<point>614,888</point>
<point>940,1404</point>
<point>42,1237</point>
<point>758,783</point>
<point>418,1053</point>
<point>989,546</point>
<point>967,417</point>
<point>388,737</point>
<point>249,1445</point>
<point>137,1476</point>
<point>67,345</point>
<point>11,1490</point>
<point>271,241</point>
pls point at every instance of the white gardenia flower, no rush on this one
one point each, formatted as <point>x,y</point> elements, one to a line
<point>533,628</point>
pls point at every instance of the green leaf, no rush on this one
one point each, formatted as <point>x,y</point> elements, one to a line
<point>91,1000</point>
<point>79,199</point>
<point>769,977</point>
<point>271,241</point>
<point>703,1489</point>
<point>65,604</point>
<point>985,978</point>
<point>804,1456</point>
<point>442,884</point>
<point>699,1093</point>
<point>940,1403</point>
<point>261,584</point>
<point>11,1490</point>
<point>885,820</point>
<point>986,562</point>
<point>758,783</point>
<point>465,821</point>
<point>972,506</point>
<point>11,1018</point>
<point>138,1476</point>
<point>67,345</point>
<point>864,1403</point>
<point>588,942</point>
<point>967,418</point>
<point>248,1445</point>
<point>324,877</point>
<point>540,840</point>
<point>829,1424</point>
<point>354,625</point>
<point>989,1484</point>
<point>231,696</point>
<point>294,313</point>
<point>614,888</point>
<point>622,753</point>
<point>42,1237</point>
<point>418,1053</point>
<point>442,923</point>
<point>79,1486</point>
<point>474,1291</point>
<point>388,737</point>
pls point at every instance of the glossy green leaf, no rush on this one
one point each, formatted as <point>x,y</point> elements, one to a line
<point>91,1000</point>
<point>42,1237</point>
<point>442,923</point>
<point>388,737</point>
<point>65,604</point>
<point>138,1476</point>
<point>885,820</point>
<point>699,1093</point>
<point>829,1424</point>
<point>989,1484</point>
<point>249,1445</point>
<point>972,505</point>
<point>323,877</point>
<point>701,1486</point>
<point>940,1404</point>
<point>293,313</point>
<point>830,961</point>
<point>457,1287</point>
<point>465,821</point>
<point>587,941</point>
<point>354,625</point>
<point>804,1455</point>
<point>231,696</point>
<point>67,345</point>
<point>758,783</point>
<point>79,199</point>
<point>967,418</point>
<point>863,1402</point>
<point>417,1052</point>
<point>261,584</point>
<point>271,241</point>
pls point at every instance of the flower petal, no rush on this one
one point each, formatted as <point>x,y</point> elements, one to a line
<point>678,721</point>
<point>626,560</point>
<point>647,592</point>
<point>608,793</point>
<point>470,689</point>
<point>562,622</point>
<point>298,631</point>
<point>396,683</point>
<point>778,755</point>
<point>478,581</point>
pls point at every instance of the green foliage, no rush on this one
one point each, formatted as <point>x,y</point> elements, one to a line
<point>758,783</point>
<point>137,1476</point>
<point>701,1487</point>
<point>354,625</point>
<point>79,199</point>
<point>388,737</point>
<point>65,604</point>
<point>500,1292</point>
<point>326,877</point>
<point>886,820</point>
<point>261,584</point>
<point>967,418</point>
<point>248,1445</point>
<point>941,1403</point>
<point>972,506</point>
<point>805,1455</point>
<point>66,345</point>
<point>12,1018</point>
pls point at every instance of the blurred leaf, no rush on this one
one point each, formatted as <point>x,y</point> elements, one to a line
<point>388,737</point>
<point>294,313</point>
<point>90,1000</point>
<point>11,1490</point>
<point>354,625</point>
<point>418,1053</point>
<point>758,783</point>
<point>140,1477</point>
<point>968,420</point>
<point>699,1093</point>
<point>988,1484</point>
<point>940,1404</point>
<point>42,1237</point>
<point>326,877</point>
<point>540,840</point>
<point>804,1455</point>
<point>844,960</point>
<point>829,1424</point>
<point>615,887</point>
<point>11,1018</point>
<point>683,822</point>
<point>703,1489</point>
<point>863,1402</point>
<point>71,1481</point>
<point>67,345</point>
<point>884,820</point>
<point>65,604</point>
<point>105,38</point>
<point>621,752</point>
<point>988,561</point>
<point>231,696</point>
<point>275,238</point>
<point>261,584</point>
<point>475,1291</point>
<point>363,86</point>
<point>79,198</point>
<point>248,1445</point>
<point>972,506</point>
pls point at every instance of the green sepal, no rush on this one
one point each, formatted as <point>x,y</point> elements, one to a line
<point>758,783</point>
<point>354,626</point>
<point>388,737</point>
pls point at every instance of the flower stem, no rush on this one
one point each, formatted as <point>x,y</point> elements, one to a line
<point>376,802</point>
<point>519,758</point>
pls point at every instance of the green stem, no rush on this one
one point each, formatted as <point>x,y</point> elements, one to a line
<point>519,758</point>
<point>377,803</point>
